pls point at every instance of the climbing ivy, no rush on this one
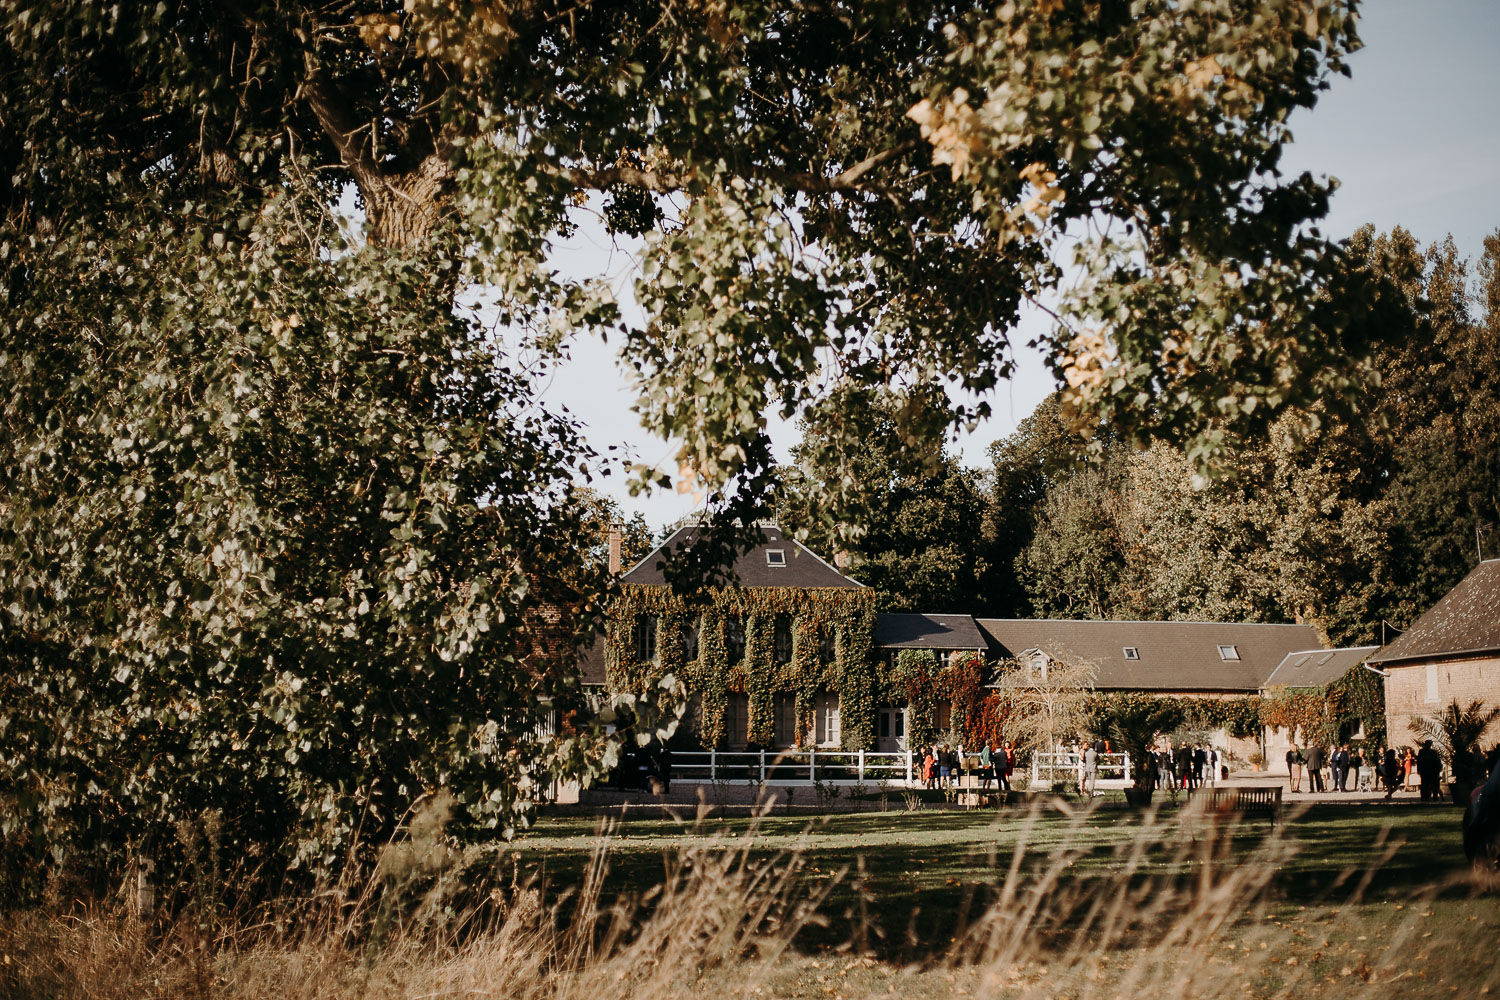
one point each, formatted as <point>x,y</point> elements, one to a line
<point>846,617</point>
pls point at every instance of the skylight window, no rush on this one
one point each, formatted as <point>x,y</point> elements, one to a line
<point>775,557</point>
<point>1229,652</point>
<point>1132,653</point>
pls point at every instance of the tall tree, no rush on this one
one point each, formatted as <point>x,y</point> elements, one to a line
<point>266,490</point>
<point>918,533</point>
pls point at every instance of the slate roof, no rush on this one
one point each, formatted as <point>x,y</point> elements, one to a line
<point>1174,656</point>
<point>803,568</point>
<point>1466,622</point>
<point>1315,668</point>
<point>928,632</point>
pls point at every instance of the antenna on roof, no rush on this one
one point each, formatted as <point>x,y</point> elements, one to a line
<point>1481,528</point>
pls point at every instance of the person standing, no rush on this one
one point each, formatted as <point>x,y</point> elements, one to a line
<point>1005,760</point>
<point>1294,767</point>
<point>986,766</point>
<point>1356,761</point>
<point>1090,770</point>
<point>1200,764</point>
<point>1430,771</point>
<point>1392,772</point>
<point>1314,758</point>
<point>1339,769</point>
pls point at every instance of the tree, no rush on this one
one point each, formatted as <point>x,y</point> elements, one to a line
<point>1457,731</point>
<point>602,515</point>
<point>1134,722</point>
<point>267,487</point>
<point>920,536</point>
<point>1025,464</point>
<point>1046,699</point>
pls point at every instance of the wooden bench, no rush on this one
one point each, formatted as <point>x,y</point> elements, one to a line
<point>1242,800</point>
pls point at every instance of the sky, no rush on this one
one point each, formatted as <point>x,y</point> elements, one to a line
<point>1413,137</point>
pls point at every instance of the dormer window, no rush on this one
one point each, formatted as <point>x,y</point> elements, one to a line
<point>1132,653</point>
<point>1229,652</point>
<point>775,557</point>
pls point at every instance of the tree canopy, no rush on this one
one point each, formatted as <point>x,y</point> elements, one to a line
<point>280,517</point>
<point>1345,523</point>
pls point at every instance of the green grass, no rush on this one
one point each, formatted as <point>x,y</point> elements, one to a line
<point>905,885</point>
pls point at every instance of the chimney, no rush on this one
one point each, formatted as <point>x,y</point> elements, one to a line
<point>614,550</point>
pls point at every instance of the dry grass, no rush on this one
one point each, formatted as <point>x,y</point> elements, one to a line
<point>1186,911</point>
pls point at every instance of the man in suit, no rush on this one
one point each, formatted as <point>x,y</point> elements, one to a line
<point>1340,768</point>
<point>1430,771</point>
<point>1315,758</point>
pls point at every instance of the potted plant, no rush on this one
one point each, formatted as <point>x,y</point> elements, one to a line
<point>1134,721</point>
<point>1257,760</point>
<point>1456,732</point>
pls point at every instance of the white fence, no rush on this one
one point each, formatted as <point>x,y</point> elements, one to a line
<point>797,767</point>
<point>1067,767</point>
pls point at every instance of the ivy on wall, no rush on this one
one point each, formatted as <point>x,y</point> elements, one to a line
<point>841,619</point>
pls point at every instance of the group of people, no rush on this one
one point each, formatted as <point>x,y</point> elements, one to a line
<point>1186,766</point>
<point>1392,769</point>
<point>943,765</point>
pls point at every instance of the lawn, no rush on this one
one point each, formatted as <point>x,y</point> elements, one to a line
<point>1337,902</point>
<point>1358,895</point>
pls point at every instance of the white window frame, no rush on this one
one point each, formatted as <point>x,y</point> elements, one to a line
<point>1232,655</point>
<point>776,558</point>
<point>1132,652</point>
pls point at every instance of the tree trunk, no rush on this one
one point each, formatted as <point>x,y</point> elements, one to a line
<point>404,209</point>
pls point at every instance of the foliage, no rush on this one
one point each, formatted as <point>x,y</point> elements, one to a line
<point>1341,522</point>
<point>1047,701</point>
<point>282,526</point>
<point>1133,722</point>
<point>1359,697</point>
<point>915,680</point>
<point>1126,716</point>
<point>1456,733</point>
<point>915,523</point>
<point>843,616</point>
<point>894,242</point>
<point>1305,715</point>
<point>602,514</point>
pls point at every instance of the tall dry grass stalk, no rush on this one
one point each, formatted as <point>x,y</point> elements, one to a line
<point>1181,911</point>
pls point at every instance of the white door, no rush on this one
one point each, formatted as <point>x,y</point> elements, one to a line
<point>828,729</point>
<point>891,730</point>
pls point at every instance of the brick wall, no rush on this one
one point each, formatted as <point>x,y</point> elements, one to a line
<point>1425,688</point>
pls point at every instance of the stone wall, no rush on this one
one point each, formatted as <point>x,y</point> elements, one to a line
<point>1416,689</point>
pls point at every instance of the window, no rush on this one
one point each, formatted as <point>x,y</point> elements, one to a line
<point>1132,653</point>
<point>690,641</point>
<point>781,643</point>
<point>734,639</point>
<point>775,557</point>
<point>827,709</point>
<point>826,650</point>
<point>737,720</point>
<point>784,707</point>
<point>1432,682</point>
<point>1229,652</point>
<point>644,636</point>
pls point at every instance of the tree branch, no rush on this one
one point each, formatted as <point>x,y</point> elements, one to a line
<point>333,113</point>
<point>666,182</point>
